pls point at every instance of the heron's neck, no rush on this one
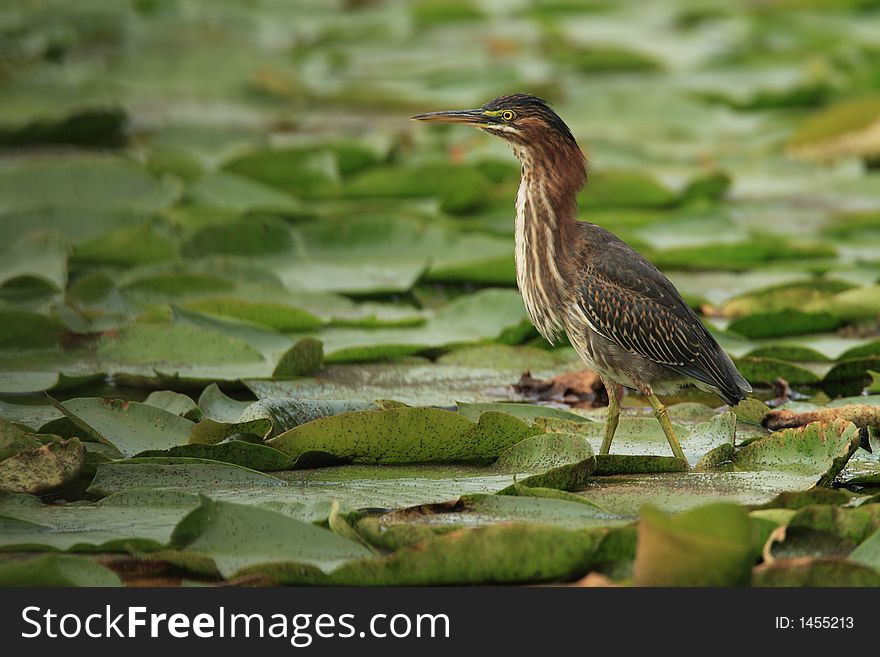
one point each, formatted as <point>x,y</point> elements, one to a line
<point>546,207</point>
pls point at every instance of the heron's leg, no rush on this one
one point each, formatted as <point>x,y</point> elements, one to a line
<point>613,415</point>
<point>663,418</point>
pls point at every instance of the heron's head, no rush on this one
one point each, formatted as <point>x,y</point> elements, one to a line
<point>526,121</point>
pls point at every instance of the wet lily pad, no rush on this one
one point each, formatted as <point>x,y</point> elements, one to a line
<point>57,571</point>
<point>817,452</point>
<point>405,435</point>
<point>235,537</point>
<point>707,546</point>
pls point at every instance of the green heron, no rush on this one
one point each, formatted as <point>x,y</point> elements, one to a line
<point>624,318</point>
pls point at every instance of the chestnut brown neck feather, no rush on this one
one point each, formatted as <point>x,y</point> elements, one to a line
<point>546,228</point>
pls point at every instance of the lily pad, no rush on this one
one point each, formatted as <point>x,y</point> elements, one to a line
<point>176,473</point>
<point>56,570</point>
<point>405,435</point>
<point>86,181</point>
<point>140,520</point>
<point>130,427</point>
<point>513,553</point>
<point>845,129</point>
<point>816,452</point>
<point>236,537</point>
<point>707,546</point>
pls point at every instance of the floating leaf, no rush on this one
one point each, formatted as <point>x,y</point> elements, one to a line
<point>277,316</point>
<point>868,551</point>
<point>764,370</point>
<point>42,469</point>
<point>405,435</point>
<point>707,546</point>
<point>611,189</point>
<point>817,451</point>
<point>181,474</point>
<point>220,189</point>
<point>736,256</point>
<point>853,369</point>
<point>141,520</point>
<point>784,322</point>
<point>267,416</point>
<point>298,173</point>
<point>302,359</point>
<point>511,554</point>
<point>844,129</point>
<point>175,403</point>
<point>236,537</point>
<point>86,181</point>
<point>133,245</point>
<point>55,571</point>
<point>812,572</point>
<point>130,427</point>
<point>41,256</point>
<point>253,456</point>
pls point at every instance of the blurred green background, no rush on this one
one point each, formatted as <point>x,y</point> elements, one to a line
<point>188,188</point>
<point>227,199</point>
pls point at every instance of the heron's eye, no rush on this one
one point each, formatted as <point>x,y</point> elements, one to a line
<point>508,115</point>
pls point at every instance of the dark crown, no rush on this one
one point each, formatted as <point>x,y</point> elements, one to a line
<point>528,105</point>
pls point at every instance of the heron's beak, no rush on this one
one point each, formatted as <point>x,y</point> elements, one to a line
<point>475,117</point>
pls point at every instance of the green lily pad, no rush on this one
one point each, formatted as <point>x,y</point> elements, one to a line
<point>736,256</point>
<point>302,359</point>
<point>416,384</point>
<point>707,546</point>
<point>478,510</point>
<point>812,572</point>
<point>611,189</point>
<point>236,537</point>
<point>816,452</point>
<point>41,256</point>
<point>130,427</point>
<point>140,520</point>
<point>460,189</point>
<point>86,181</point>
<point>125,247</point>
<point>868,551</point>
<point>844,129</point>
<point>249,455</point>
<point>405,435</point>
<point>220,189</point>
<point>852,369</point>
<point>793,295</point>
<point>265,417</point>
<point>176,473</point>
<point>789,352</point>
<point>758,370</point>
<point>295,172</point>
<point>784,322</point>
<point>55,570</point>
<point>174,402</point>
<point>276,316</point>
<point>526,412</point>
<point>514,553</point>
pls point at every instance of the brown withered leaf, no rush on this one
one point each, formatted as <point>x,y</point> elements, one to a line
<point>582,389</point>
<point>43,469</point>
<point>863,416</point>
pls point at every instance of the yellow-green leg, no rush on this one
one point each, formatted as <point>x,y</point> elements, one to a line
<point>613,415</point>
<point>663,418</point>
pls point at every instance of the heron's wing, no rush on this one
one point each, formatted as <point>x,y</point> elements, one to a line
<point>628,301</point>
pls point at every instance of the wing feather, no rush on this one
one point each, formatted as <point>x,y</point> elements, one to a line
<point>630,302</point>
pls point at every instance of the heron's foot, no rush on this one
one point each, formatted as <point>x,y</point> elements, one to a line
<point>666,424</point>
<point>613,416</point>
